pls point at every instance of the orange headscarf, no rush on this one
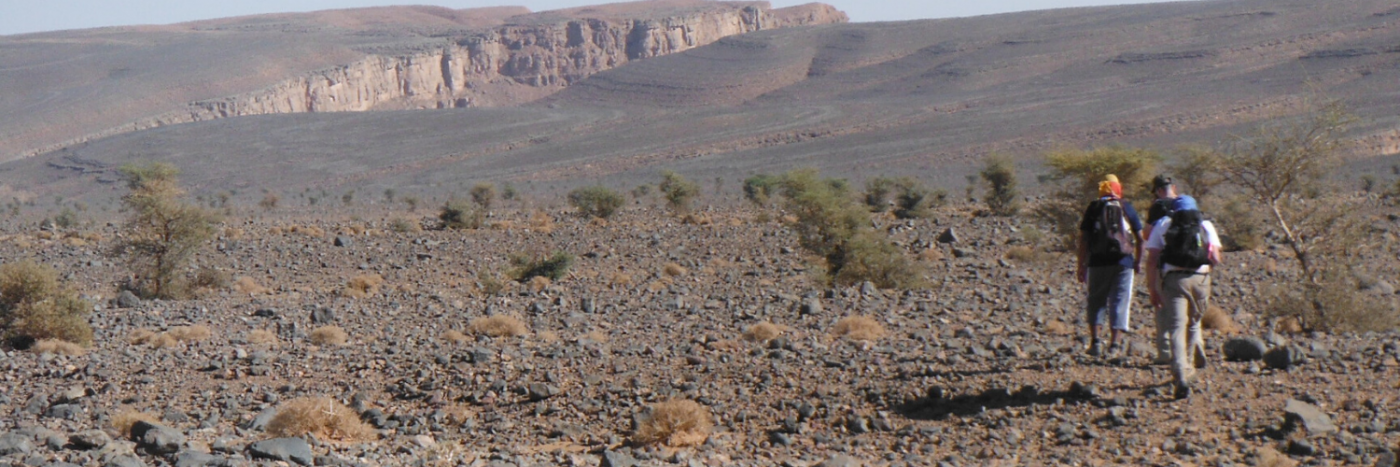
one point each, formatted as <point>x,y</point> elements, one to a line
<point>1110,187</point>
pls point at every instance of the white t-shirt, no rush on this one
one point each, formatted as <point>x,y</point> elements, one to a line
<point>1157,241</point>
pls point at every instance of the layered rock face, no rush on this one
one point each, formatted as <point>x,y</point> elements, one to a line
<point>503,66</point>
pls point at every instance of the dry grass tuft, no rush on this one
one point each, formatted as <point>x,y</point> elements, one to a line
<point>673,270</point>
<point>247,286</point>
<point>1029,255</point>
<point>1057,327</point>
<point>537,284</point>
<point>176,335</point>
<point>547,336</point>
<point>860,328</point>
<point>596,336</point>
<point>675,423</point>
<point>541,222</point>
<point>1266,457</point>
<point>329,335</point>
<point>930,255</point>
<point>1289,325</point>
<point>763,332</point>
<point>364,285</point>
<point>321,416</point>
<point>57,347</point>
<point>190,333</point>
<point>620,279</point>
<point>122,421</point>
<point>261,337</point>
<point>1217,319</point>
<point>498,326</point>
<point>454,336</point>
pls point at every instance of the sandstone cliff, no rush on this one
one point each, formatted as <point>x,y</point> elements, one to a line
<point>507,65</point>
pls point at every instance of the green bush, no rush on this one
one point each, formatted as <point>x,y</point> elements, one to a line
<point>680,193</point>
<point>596,201</point>
<point>830,224</point>
<point>162,232</point>
<point>34,304</point>
<point>1079,173</point>
<point>759,189</point>
<point>484,195</point>
<point>1000,175</point>
<point>555,266</point>
<point>913,201</point>
<point>457,215</point>
<point>877,193</point>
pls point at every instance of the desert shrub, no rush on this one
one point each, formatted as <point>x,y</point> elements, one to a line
<point>261,337</point>
<point>763,332</point>
<point>484,195</point>
<point>270,201</point>
<point>210,279</point>
<point>454,336</point>
<point>36,305</point>
<point>555,266</point>
<point>457,215</point>
<point>1079,173</point>
<point>860,328</point>
<point>596,201</point>
<point>328,335</point>
<point>1029,255</point>
<point>913,201</point>
<point>538,284</point>
<point>363,285</point>
<point>57,347</point>
<point>680,193</point>
<point>1197,171</point>
<point>831,225</point>
<point>498,326</point>
<point>641,191</point>
<point>1334,304</point>
<point>402,225</point>
<point>1217,319</point>
<point>877,193</point>
<point>490,284</point>
<point>759,189</point>
<point>321,416</point>
<point>123,420</point>
<point>247,286</point>
<point>162,232</point>
<point>1239,224</point>
<point>1000,176</point>
<point>169,338</point>
<point>674,423</point>
<point>673,270</point>
<point>66,219</point>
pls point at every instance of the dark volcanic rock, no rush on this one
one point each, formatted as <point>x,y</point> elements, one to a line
<point>157,439</point>
<point>90,439</point>
<point>282,449</point>
<point>1283,358</point>
<point>1244,349</point>
<point>126,299</point>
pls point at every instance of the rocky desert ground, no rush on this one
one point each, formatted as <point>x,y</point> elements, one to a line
<point>985,366</point>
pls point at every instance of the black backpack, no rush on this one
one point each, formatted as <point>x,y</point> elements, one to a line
<point>1186,241</point>
<point>1112,236</point>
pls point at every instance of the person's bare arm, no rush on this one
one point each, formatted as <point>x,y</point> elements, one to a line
<point>1081,250</point>
<point>1154,273</point>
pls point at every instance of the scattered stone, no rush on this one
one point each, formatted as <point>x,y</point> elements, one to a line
<point>542,391</point>
<point>197,459</point>
<point>156,439</point>
<point>89,439</point>
<point>259,423</point>
<point>1301,447</point>
<point>12,444</point>
<point>126,299</point>
<point>840,461</point>
<point>322,315</point>
<point>617,459</point>
<point>948,236</point>
<point>1244,349</point>
<point>282,449</point>
<point>342,241</point>
<point>1299,414</point>
<point>1283,358</point>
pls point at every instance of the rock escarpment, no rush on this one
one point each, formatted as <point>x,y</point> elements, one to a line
<point>509,64</point>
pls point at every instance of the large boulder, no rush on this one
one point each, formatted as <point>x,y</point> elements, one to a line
<point>1244,349</point>
<point>1298,414</point>
<point>157,439</point>
<point>282,449</point>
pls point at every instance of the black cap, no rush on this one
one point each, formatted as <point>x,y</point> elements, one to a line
<point>1160,182</point>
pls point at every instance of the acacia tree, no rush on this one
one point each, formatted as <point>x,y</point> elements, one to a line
<point>162,232</point>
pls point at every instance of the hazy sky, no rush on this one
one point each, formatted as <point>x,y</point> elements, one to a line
<point>21,16</point>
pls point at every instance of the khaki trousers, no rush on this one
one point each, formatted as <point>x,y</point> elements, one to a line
<point>1184,301</point>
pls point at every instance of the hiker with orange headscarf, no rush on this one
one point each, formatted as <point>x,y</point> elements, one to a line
<point>1108,254</point>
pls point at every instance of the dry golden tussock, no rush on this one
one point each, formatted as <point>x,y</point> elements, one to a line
<point>123,420</point>
<point>363,285</point>
<point>190,333</point>
<point>541,222</point>
<point>1289,325</point>
<point>247,286</point>
<point>1218,320</point>
<point>659,284</point>
<point>329,335</point>
<point>596,336</point>
<point>498,326</point>
<point>233,233</point>
<point>261,337</point>
<point>860,328</point>
<point>321,416</point>
<point>620,279</point>
<point>547,336</point>
<point>673,270</point>
<point>764,331</point>
<point>57,347</point>
<point>1266,457</point>
<point>537,284</point>
<point>930,255</point>
<point>675,423</point>
<point>170,338</point>
<point>454,336</point>
<point>1056,327</point>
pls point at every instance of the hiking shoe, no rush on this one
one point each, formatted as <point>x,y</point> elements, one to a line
<point>1115,350</point>
<point>1199,358</point>
<point>1094,350</point>
<point>1181,391</point>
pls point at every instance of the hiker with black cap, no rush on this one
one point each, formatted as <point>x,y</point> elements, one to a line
<point>1164,189</point>
<point>1108,254</point>
<point>1181,253</point>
